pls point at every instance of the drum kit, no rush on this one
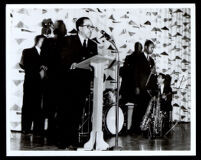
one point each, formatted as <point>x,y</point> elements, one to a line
<point>109,115</point>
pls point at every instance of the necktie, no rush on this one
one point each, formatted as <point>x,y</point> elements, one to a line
<point>148,57</point>
<point>85,44</point>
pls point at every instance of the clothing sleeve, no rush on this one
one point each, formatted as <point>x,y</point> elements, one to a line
<point>45,51</point>
<point>95,50</point>
<point>137,72</point>
<point>21,63</point>
<point>169,94</point>
<point>125,67</point>
<point>27,62</point>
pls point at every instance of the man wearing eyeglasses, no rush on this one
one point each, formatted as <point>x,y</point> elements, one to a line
<point>75,82</point>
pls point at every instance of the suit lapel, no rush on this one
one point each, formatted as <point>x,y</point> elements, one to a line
<point>165,89</point>
<point>35,51</point>
<point>78,41</point>
<point>146,62</point>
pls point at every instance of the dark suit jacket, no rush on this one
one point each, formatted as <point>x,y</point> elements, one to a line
<point>128,86</point>
<point>73,52</point>
<point>166,104</point>
<point>31,62</point>
<point>142,71</point>
<point>135,73</point>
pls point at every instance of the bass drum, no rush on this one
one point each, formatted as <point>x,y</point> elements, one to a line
<point>109,126</point>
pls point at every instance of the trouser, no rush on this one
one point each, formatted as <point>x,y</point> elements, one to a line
<point>31,109</point>
<point>73,93</point>
<point>166,121</point>
<point>139,111</point>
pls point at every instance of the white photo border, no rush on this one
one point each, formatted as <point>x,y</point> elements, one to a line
<point>192,150</point>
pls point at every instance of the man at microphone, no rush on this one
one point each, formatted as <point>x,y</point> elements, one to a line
<point>75,82</point>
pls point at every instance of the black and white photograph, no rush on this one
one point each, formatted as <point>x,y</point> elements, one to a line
<point>100,80</point>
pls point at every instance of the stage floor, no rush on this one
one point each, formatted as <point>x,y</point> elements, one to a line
<point>179,140</point>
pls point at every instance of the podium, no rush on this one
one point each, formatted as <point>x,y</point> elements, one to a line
<point>99,63</point>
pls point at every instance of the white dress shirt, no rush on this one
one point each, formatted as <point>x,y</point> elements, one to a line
<point>38,49</point>
<point>162,88</point>
<point>82,39</point>
<point>146,55</point>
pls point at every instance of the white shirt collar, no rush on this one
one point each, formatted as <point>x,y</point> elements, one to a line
<point>38,49</point>
<point>146,55</point>
<point>162,88</point>
<point>82,39</point>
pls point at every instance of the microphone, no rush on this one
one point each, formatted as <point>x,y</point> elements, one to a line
<point>107,36</point>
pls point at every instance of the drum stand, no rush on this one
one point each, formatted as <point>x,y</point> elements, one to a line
<point>116,147</point>
<point>171,129</point>
<point>84,128</point>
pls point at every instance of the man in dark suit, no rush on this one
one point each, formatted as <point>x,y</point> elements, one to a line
<point>53,47</point>
<point>34,65</point>
<point>142,83</point>
<point>128,88</point>
<point>75,83</point>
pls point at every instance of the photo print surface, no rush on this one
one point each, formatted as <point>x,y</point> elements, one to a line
<point>170,27</point>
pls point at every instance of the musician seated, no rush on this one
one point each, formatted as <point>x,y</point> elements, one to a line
<point>164,82</point>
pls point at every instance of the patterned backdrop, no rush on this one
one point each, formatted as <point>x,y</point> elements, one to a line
<point>168,28</point>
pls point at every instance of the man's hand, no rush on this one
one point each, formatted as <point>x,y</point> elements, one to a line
<point>44,68</point>
<point>42,74</point>
<point>164,97</point>
<point>154,70</point>
<point>73,66</point>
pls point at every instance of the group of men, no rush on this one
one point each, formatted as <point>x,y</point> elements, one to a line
<point>55,89</point>
<point>141,82</point>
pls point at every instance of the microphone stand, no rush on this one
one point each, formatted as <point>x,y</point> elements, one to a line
<point>116,147</point>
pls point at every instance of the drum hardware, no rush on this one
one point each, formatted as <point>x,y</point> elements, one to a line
<point>109,97</point>
<point>85,125</point>
<point>117,59</point>
<point>171,129</point>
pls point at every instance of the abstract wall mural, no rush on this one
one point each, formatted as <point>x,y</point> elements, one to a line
<point>168,28</point>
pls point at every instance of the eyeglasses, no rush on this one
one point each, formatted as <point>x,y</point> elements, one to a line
<point>89,27</point>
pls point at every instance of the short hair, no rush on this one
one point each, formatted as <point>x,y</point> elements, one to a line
<point>137,47</point>
<point>60,29</point>
<point>162,75</point>
<point>168,79</point>
<point>37,38</point>
<point>80,22</point>
<point>148,43</point>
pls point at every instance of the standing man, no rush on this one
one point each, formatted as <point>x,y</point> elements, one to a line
<point>54,46</point>
<point>127,72</point>
<point>33,63</point>
<point>75,83</point>
<point>145,84</point>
